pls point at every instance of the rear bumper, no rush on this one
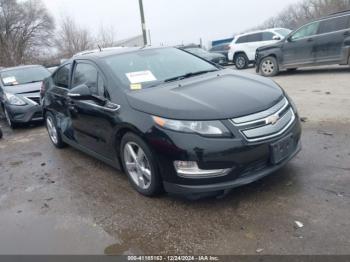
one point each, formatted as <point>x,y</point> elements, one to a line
<point>245,179</point>
<point>25,114</point>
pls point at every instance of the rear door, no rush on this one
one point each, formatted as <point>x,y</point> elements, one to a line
<point>254,42</point>
<point>329,43</point>
<point>299,48</point>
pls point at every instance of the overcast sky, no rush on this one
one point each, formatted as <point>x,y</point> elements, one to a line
<point>170,21</point>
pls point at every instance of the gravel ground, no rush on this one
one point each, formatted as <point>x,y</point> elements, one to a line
<point>65,202</point>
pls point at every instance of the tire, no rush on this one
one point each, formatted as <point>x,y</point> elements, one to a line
<point>269,66</point>
<point>53,131</point>
<point>140,166</point>
<point>241,61</point>
<point>11,124</point>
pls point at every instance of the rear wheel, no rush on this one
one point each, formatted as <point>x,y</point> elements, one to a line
<point>52,129</point>
<point>140,166</point>
<point>241,61</point>
<point>269,66</point>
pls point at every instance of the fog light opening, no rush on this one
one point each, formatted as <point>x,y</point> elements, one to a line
<point>190,169</point>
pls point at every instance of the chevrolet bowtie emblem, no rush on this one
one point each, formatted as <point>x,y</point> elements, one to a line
<point>272,120</point>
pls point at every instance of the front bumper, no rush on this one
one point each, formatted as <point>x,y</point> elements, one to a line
<point>25,114</point>
<point>249,161</point>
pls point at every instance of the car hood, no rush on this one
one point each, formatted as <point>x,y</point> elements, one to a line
<point>271,46</point>
<point>219,95</point>
<point>22,89</point>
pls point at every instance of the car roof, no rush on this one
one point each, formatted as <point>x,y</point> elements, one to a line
<point>111,52</point>
<point>18,67</point>
<point>261,31</point>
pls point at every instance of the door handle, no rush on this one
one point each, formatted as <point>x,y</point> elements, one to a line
<point>310,40</point>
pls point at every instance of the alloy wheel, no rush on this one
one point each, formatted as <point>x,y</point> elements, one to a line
<point>268,67</point>
<point>137,165</point>
<point>240,62</point>
<point>51,128</point>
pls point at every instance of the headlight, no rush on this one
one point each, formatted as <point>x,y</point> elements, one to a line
<point>292,103</point>
<point>14,100</point>
<point>205,128</point>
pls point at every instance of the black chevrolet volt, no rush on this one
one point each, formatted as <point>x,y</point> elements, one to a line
<point>171,120</point>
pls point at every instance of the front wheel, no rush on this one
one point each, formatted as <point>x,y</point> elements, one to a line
<point>269,66</point>
<point>140,166</point>
<point>52,129</point>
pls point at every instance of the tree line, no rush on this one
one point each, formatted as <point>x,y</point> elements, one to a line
<point>305,11</point>
<point>29,34</point>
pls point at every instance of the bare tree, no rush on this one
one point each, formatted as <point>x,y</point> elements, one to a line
<point>25,29</point>
<point>106,36</point>
<point>72,38</point>
<point>300,13</point>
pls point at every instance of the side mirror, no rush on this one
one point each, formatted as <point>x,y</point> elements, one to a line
<point>276,37</point>
<point>80,92</point>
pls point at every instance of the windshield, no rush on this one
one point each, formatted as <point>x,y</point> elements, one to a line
<point>24,75</point>
<point>146,68</point>
<point>283,32</point>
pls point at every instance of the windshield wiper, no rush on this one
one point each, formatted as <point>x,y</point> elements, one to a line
<point>176,78</point>
<point>34,81</point>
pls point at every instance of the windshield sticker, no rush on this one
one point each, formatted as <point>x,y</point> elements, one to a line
<point>135,86</point>
<point>140,77</point>
<point>9,80</point>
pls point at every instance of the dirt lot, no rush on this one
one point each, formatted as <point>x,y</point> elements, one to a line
<point>64,202</point>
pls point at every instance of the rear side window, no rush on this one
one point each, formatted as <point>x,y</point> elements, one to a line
<point>267,36</point>
<point>250,38</point>
<point>88,75</point>
<point>255,37</point>
<point>334,24</point>
<point>61,77</point>
<point>242,40</point>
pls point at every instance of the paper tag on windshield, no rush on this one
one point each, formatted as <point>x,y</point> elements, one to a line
<point>135,86</point>
<point>9,80</point>
<point>140,77</point>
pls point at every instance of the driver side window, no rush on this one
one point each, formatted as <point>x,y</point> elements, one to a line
<point>308,30</point>
<point>87,74</point>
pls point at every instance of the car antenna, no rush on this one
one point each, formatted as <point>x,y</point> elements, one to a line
<point>99,48</point>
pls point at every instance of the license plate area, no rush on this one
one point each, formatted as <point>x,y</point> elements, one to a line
<point>282,149</point>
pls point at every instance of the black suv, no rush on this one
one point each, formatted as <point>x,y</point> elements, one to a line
<point>322,42</point>
<point>171,120</point>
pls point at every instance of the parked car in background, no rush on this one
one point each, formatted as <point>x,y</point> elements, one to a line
<point>243,47</point>
<point>171,120</point>
<point>221,49</point>
<point>20,93</point>
<point>212,57</point>
<point>322,42</point>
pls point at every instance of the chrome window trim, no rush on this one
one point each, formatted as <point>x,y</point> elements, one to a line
<point>102,107</point>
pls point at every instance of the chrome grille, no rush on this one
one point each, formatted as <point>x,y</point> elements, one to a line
<point>266,124</point>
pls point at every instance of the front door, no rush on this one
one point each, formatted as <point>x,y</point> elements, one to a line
<point>298,49</point>
<point>92,120</point>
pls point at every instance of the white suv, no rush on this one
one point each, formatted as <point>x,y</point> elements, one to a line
<point>243,47</point>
